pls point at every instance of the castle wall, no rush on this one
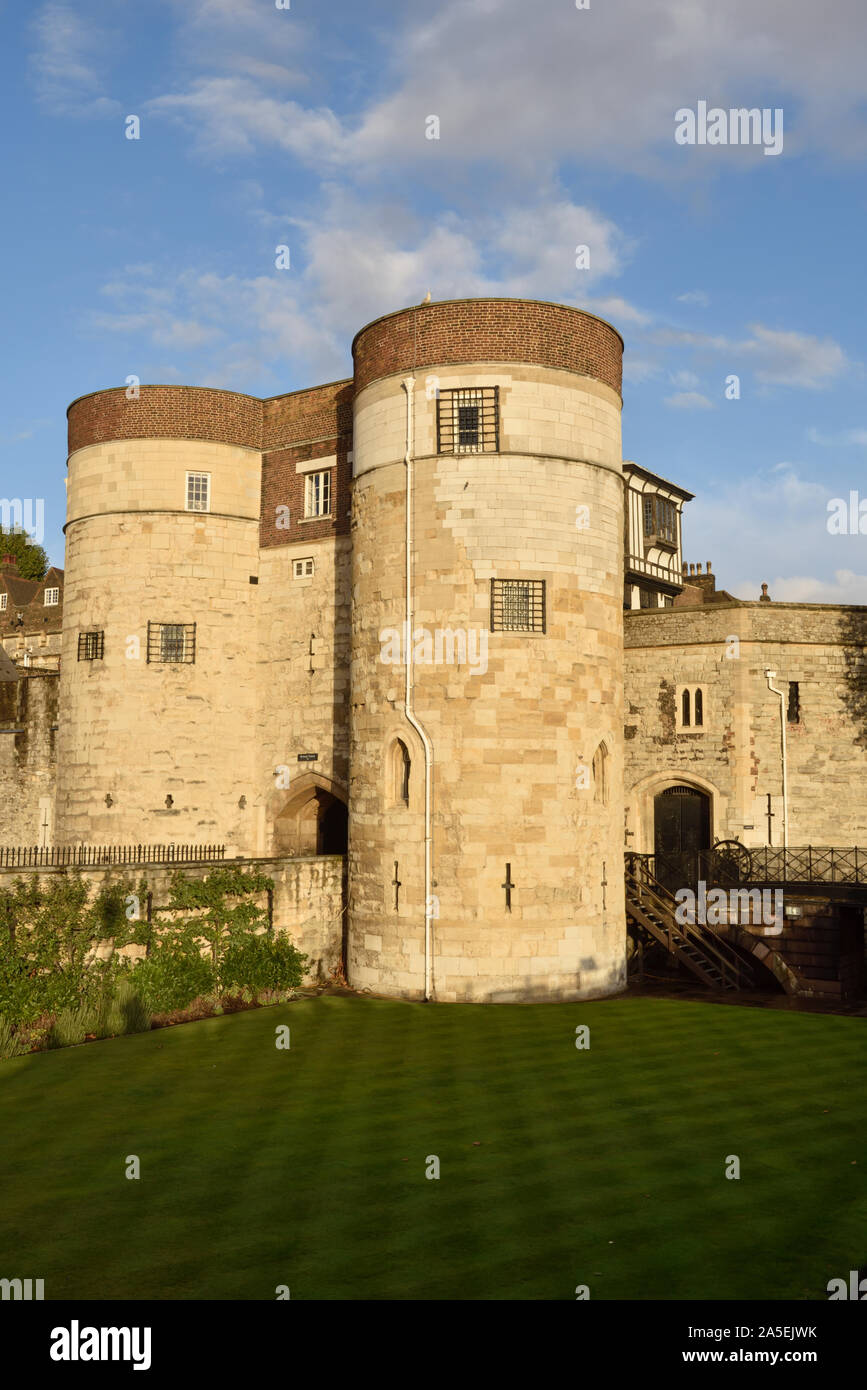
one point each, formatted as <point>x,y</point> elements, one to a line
<point>28,723</point>
<point>736,758</point>
<point>136,730</point>
<point>307,898</point>
<point>507,739</point>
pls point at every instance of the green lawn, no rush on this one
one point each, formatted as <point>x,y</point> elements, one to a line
<point>603,1167</point>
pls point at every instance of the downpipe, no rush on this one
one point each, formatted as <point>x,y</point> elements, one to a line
<point>409,386</point>
<point>772,675</point>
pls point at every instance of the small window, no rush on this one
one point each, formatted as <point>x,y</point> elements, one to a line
<point>691,713</point>
<point>4,602</point>
<point>91,646</point>
<point>401,770</point>
<point>171,643</point>
<point>517,605</point>
<point>198,492</point>
<point>793,714</point>
<point>317,494</point>
<point>647,598</point>
<point>52,596</point>
<point>468,420</point>
<point>600,775</point>
<point>302,568</point>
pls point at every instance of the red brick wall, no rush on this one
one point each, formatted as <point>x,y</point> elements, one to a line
<point>301,426</point>
<point>496,330</point>
<point>166,412</point>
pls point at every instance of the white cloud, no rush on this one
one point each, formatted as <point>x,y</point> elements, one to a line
<point>355,262</point>
<point>694,297</point>
<point>689,400</point>
<point>845,439</point>
<point>761,527</point>
<point>63,67</point>
<point>529,86</point>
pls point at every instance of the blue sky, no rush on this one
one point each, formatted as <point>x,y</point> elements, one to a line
<point>306,127</point>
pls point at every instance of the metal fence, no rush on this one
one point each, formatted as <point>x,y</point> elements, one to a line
<point>90,856</point>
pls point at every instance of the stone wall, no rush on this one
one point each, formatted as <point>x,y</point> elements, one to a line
<point>308,897</point>
<point>508,739</point>
<point>736,757</point>
<point>28,723</point>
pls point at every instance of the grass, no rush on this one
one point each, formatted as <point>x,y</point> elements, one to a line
<point>262,1167</point>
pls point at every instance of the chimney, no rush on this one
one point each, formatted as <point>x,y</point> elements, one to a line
<point>699,579</point>
<point>9,563</point>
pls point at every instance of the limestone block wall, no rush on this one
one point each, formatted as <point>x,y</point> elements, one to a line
<point>307,898</point>
<point>303,675</point>
<point>737,758</point>
<point>136,731</point>
<point>28,730</point>
<point>510,728</point>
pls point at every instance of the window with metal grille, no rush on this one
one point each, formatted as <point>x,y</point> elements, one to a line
<point>52,596</point>
<point>517,605</point>
<point>317,494</point>
<point>91,646</point>
<point>172,642</point>
<point>198,492</point>
<point>793,715</point>
<point>4,602</point>
<point>468,420</point>
<point>302,567</point>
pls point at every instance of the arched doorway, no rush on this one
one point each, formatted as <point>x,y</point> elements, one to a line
<point>314,821</point>
<point>681,831</point>
<point>333,828</point>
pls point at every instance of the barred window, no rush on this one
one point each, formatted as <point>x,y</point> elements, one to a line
<point>517,605</point>
<point>4,601</point>
<point>198,492</point>
<point>317,494</point>
<point>172,643</point>
<point>52,596</point>
<point>468,420</point>
<point>91,646</point>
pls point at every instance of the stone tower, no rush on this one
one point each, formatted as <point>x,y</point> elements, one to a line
<point>157,735</point>
<point>486,800</point>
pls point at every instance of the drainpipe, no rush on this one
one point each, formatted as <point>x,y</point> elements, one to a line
<point>771,675</point>
<point>408,386</point>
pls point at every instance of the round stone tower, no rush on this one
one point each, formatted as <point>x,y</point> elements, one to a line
<point>157,689</point>
<point>486,800</point>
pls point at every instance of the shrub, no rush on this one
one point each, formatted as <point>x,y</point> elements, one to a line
<point>10,1041</point>
<point>172,977</point>
<point>263,963</point>
<point>123,1011</point>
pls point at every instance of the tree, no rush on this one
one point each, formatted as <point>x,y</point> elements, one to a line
<point>32,559</point>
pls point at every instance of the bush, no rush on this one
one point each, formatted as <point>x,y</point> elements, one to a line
<point>263,963</point>
<point>71,1026</point>
<point>171,978</point>
<point>123,1011</point>
<point>10,1041</point>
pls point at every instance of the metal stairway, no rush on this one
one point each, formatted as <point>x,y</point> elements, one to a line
<point>651,910</point>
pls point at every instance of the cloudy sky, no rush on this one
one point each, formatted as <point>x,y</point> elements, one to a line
<point>307,127</point>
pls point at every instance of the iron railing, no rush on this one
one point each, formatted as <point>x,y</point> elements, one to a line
<point>90,856</point>
<point>730,863</point>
